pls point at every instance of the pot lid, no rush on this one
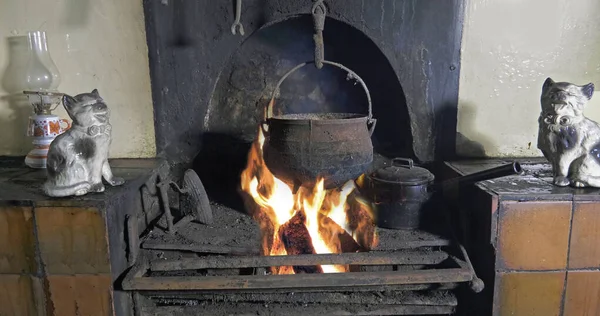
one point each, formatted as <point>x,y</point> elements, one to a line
<point>403,171</point>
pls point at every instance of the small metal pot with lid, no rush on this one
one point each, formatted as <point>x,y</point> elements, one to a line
<point>401,192</point>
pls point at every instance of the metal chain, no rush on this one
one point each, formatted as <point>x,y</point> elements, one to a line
<point>318,12</point>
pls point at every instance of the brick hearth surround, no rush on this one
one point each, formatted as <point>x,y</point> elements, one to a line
<point>536,245</point>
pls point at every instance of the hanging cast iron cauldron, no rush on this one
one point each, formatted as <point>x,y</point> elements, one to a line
<point>300,148</point>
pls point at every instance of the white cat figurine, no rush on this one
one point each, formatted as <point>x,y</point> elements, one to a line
<point>569,140</point>
<point>78,158</point>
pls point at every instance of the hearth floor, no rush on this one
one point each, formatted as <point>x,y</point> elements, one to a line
<point>234,232</point>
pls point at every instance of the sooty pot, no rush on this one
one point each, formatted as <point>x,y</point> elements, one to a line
<point>404,194</point>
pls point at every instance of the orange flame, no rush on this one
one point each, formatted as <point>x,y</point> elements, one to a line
<point>332,221</point>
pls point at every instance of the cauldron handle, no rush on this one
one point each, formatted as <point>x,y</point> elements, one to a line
<point>371,125</point>
<point>351,75</point>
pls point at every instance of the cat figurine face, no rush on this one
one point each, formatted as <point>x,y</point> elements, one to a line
<point>78,158</point>
<point>569,140</point>
<point>565,99</point>
<point>87,109</point>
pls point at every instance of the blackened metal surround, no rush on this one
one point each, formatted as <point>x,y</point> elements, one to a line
<point>190,43</point>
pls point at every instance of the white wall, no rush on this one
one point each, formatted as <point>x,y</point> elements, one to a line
<point>95,44</point>
<point>509,48</point>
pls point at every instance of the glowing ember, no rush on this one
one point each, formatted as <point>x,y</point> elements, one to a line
<point>309,221</point>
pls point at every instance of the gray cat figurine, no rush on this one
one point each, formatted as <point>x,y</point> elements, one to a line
<point>78,158</point>
<point>569,140</point>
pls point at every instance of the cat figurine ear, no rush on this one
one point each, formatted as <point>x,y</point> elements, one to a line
<point>95,93</point>
<point>547,84</point>
<point>588,90</point>
<point>69,102</point>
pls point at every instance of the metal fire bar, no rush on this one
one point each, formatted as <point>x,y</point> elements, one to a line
<point>437,266</point>
<point>215,269</point>
<point>135,280</point>
<point>401,257</point>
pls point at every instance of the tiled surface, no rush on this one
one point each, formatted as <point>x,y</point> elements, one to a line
<point>530,293</point>
<point>67,235</point>
<point>72,240</point>
<point>533,235</point>
<point>17,243</point>
<point>585,237</point>
<point>80,294</point>
<point>583,293</point>
<point>17,295</point>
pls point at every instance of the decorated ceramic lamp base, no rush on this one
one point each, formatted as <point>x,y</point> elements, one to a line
<point>37,157</point>
<point>43,126</point>
<point>44,129</point>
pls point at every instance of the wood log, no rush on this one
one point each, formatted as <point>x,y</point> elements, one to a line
<point>362,221</point>
<point>334,233</point>
<point>297,241</point>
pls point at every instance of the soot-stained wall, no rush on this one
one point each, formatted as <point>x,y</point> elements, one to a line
<point>190,46</point>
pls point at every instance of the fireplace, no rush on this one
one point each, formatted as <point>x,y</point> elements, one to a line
<point>406,51</point>
<point>211,90</point>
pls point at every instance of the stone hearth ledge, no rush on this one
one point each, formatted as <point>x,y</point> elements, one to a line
<point>534,185</point>
<point>21,185</point>
<point>77,244</point>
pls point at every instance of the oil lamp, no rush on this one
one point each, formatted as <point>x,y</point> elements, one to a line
<point>42,80</point>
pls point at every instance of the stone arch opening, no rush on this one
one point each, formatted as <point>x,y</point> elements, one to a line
<point>250,75</point>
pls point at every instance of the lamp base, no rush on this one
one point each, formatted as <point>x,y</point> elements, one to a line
<point>38,156</point>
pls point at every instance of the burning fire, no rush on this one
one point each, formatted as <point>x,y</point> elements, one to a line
<point>309,221</point>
